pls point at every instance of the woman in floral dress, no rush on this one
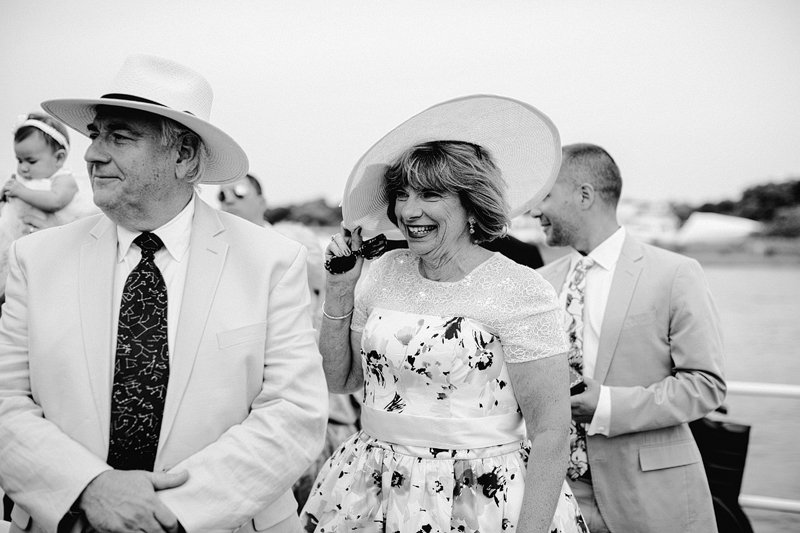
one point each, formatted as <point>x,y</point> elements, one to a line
<point>459,351</point>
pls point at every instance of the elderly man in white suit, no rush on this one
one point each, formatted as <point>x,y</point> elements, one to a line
<point>242,414</point>
<point>652,359</point>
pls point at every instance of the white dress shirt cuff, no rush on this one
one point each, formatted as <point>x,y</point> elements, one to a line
<point>601,421</point>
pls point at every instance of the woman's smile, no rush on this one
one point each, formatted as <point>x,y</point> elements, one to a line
<point>418,231</point>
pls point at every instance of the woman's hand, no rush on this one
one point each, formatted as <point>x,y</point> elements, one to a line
<point>343,245</point>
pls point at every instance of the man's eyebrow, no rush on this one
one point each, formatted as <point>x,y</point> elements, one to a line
<point>116,125</point>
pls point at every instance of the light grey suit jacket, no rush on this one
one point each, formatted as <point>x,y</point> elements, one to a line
<point>246,403</point>
<point>661,355</point>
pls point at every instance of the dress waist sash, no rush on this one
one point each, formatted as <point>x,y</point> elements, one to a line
<point>447,433</point>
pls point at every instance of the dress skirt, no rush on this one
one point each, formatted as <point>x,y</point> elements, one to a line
<point>370,485</point>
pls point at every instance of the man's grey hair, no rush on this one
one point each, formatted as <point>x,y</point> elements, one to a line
<point>174,134</point>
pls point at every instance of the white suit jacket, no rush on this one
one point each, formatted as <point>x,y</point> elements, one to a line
<point>660,353</point>
<point>246,402</point>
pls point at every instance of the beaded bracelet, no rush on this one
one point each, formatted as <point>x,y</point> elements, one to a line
<point>336,317</point>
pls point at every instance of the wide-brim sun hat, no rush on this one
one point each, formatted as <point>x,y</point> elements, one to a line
<point>166,88</point>
<point>522,141</point>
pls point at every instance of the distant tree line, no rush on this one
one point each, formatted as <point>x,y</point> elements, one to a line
<point>777,205</point>
<point>313,213</point>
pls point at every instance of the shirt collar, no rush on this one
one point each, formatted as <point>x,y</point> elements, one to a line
<point>175,234</point>
<point>606,254</point>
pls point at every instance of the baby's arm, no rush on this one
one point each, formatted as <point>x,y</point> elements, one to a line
<point>63,190</point>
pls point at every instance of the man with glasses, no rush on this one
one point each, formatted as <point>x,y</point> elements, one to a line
<point>245,199</point>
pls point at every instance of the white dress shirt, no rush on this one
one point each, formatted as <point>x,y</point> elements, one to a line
<point>598,286</point>
<point>171,260</point>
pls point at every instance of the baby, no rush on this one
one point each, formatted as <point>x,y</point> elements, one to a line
<point>41,145</point>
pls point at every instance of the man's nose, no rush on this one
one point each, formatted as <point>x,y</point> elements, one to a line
<point>95,153</point>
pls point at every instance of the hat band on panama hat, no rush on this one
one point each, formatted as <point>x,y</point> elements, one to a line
<point>132,98</point>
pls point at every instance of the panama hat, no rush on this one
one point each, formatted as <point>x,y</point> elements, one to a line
<point>162,87</point>
<point>522,141</point>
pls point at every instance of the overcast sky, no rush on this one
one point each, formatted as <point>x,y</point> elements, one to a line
<point>696,100</point>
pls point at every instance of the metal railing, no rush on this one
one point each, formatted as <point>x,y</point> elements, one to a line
<point>774,390</point>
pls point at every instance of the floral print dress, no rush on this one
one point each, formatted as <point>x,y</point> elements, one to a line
<point>443,446</point>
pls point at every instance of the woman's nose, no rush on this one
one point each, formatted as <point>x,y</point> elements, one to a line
<point>410,208</point>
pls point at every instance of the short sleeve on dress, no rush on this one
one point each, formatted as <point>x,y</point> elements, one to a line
<point>536,328</point>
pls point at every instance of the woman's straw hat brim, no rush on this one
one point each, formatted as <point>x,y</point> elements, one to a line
<point>522,141</point>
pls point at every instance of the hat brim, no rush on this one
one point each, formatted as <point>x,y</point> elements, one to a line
<point>522,141</point>
<point>227,161</point>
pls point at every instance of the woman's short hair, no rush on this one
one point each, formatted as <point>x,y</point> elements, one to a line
<point>454,167</point>
<point>24,132</point>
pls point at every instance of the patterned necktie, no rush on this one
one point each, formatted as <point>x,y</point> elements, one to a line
<point>141,368</point>
<point>578,461</point>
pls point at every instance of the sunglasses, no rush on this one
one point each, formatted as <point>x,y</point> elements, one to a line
<point>370,249</point>
<point>239,191</point>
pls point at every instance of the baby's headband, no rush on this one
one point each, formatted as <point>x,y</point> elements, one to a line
<point>46,128</point>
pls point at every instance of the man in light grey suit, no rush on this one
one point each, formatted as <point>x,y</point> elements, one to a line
<point>158,365</point>
<point>652,359</point>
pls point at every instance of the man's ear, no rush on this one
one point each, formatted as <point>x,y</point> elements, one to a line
<point>185,155</point>
<point>587,195</point>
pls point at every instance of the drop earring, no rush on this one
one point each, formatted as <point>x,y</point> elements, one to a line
<point>472,226</point>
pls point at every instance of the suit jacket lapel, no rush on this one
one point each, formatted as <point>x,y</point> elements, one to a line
<point>206,259</point>
<point>98,256</point>
<point>626,275</point>
<point>556,272</point>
